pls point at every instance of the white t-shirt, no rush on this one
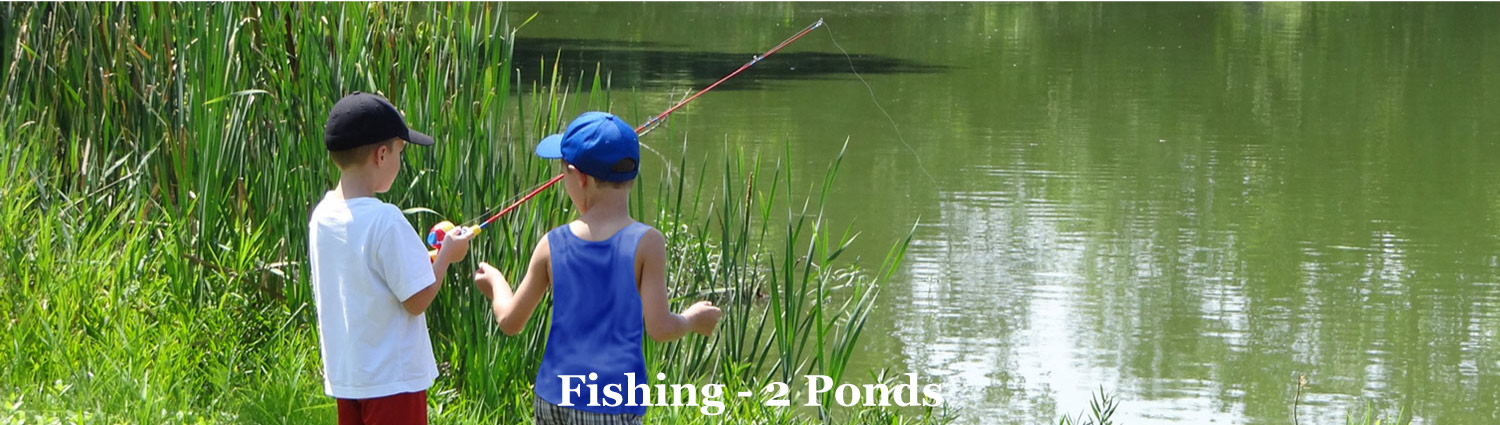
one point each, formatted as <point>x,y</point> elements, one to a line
<point>366,260</point>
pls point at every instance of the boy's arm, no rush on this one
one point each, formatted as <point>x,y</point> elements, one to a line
<point>455,246</point>
<point>661,324</point>
<point>512,310</point>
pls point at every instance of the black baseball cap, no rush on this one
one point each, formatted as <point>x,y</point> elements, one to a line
<point>362,118</point>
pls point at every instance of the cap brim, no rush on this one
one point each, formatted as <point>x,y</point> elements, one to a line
<point>418,137</point>
<point>550,147</point>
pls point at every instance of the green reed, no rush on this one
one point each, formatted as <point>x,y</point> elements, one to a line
<point>165,157</point>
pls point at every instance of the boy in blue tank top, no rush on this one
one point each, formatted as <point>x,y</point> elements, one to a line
<point>607,274</point>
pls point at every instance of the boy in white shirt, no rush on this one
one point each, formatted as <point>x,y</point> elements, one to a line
<point>372,278</point>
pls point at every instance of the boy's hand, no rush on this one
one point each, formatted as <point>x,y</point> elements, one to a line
<point>486,279</point>
<point>455,245</point>
<point>702,317</point>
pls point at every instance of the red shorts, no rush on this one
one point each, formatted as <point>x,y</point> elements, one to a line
<point>395,409</point>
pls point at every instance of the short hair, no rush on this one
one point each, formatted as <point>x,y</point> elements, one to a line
<point>623,166</point>
<point>349,157</point>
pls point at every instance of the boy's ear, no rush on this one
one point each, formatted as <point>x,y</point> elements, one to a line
<point>383,150</point>
<point>373,157</point>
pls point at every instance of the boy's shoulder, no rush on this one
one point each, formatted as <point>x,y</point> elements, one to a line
<point>632,225</point>
<point>648,234</point>
<point>651,240</point>
<point>367,224</point>
<point>345,212</point>
<point>650,230</point>
<point>645,236</point>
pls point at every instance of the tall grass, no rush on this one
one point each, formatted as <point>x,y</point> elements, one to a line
<point>163,158</point>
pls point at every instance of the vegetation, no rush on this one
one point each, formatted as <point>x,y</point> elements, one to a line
<point>1102,407</point>
<point>1101,411</point>
<point>163,159</point>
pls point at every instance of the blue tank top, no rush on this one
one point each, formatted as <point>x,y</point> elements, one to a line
<point>596,321</point>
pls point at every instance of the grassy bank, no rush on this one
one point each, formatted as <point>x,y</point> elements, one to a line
<point>163,159</point>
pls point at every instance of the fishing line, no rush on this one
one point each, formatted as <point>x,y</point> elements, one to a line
<point>656,121</point>
<point>439,231</point>
<point>671,170</point>
<point>876,101</point>
<point>507,202</point>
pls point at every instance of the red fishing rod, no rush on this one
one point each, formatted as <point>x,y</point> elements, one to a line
<point>439,231</point>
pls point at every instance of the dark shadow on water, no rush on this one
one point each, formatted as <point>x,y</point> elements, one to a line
<point>654,66</point>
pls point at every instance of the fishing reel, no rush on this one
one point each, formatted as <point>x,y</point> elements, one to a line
<point>440,231</point>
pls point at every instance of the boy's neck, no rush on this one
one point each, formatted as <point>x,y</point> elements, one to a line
<point>352,184</point>
<point>607,207</point>
<point>604,213</point>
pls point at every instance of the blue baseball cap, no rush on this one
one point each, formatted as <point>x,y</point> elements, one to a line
<point>597,143</point>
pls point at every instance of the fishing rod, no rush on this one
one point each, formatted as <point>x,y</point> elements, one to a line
<point>441,230</point>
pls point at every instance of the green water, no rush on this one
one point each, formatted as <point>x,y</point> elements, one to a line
<point>1188,205</point>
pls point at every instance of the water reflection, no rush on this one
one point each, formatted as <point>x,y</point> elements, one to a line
<point>1198,229</point>
<point>654,66</point>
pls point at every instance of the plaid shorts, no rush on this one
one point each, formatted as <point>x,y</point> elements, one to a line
<point>544,413</point>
